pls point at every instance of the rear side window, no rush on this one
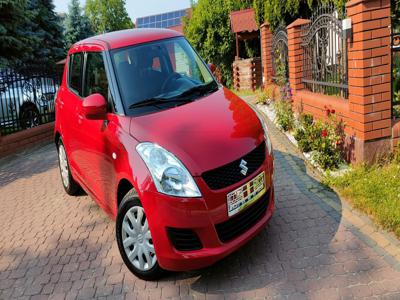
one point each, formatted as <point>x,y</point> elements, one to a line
<point>75,72</point>
<point>95,76</point>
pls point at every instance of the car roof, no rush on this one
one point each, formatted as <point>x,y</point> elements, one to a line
<point>129,37</point>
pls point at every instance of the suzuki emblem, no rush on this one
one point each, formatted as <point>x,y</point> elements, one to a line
<point>243,166</point>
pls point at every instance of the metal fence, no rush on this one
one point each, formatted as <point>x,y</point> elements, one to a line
<point>26,98</point>
<point>325,53</point>
<point>396,74</point>
<point>279,55</point>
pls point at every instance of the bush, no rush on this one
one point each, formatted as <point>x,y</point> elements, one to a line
<point>324,138</point>
<point>328,143</point>
<point>304,134</point>
<point>261,97</point>
<point>284,114</point>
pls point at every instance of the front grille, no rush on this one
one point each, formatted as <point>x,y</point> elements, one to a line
<point>184,239</point>
<point>240,223</point>
<point>230,173</point>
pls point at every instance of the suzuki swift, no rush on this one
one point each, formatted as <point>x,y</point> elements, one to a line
<point>183,164</point>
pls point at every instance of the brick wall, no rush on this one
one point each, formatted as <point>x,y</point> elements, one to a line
<point>266,38</point>
<point>367,111</point>
<point>24,140</point>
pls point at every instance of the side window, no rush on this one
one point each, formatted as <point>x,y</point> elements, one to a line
<point>95,76</point>
<point>75,72</point>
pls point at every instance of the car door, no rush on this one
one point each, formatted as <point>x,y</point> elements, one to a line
<point>69,104</point>
<point>98,142</point>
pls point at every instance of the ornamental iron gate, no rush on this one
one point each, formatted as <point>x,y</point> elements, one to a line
<point>279,55</point>
<point>325,53</point>
<point>395,10</point>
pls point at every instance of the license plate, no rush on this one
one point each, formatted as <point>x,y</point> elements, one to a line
<point>245,195</point>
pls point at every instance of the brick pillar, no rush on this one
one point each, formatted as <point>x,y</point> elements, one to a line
<point>295,55</point>
<point>266,37</point>
<point>369,77</point>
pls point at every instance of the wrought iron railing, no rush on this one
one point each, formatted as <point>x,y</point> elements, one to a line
<point>26,98</point>
<point>279,55</point>
<point>325,53</point>
<point>396,75</point>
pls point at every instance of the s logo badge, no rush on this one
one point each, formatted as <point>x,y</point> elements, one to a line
<point>243,167</point>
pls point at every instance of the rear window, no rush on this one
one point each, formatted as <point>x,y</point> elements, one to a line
<point>75,72</point>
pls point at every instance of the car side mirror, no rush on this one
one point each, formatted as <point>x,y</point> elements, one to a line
<point>212,67</point>
<point>95,107</point>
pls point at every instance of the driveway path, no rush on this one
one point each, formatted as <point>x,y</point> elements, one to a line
<point>60,247</point>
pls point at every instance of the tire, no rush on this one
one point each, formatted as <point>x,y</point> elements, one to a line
<point>29,115</point>
<point>131,209</point>
<point>68,182</point>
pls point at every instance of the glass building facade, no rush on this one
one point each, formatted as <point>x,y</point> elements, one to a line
<point>164,20</point>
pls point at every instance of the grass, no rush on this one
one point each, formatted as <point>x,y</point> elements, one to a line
<point>242,93</point>
<point>375,190</point>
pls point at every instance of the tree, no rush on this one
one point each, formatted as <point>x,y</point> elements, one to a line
<point>106,16</point>
<point>277,12</point>
<point>77,25</point>
<point>395,5</point>
<point>209,31</point>
<point>45,28</point>
<point>14,42</point>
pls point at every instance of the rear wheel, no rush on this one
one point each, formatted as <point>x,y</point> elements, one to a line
<point>69,184</point>
<point>134,239</point>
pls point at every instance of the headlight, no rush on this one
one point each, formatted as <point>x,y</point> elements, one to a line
<point>169,175</point>
<point>264,126</point>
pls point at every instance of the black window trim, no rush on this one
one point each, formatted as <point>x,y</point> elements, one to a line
<point>70,61</point>
<point>106,60</point>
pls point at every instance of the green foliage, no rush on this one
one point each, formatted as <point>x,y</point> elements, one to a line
<point>395,5</point>
<point>209,31</point>
<point>46,32</point>
<point>305,134</point>
<point>284,114</point>
<point>277,12</point>
<point>324,138</point>
<point>396,84</point>
<point>374,190</point>
<point>15,40</point>
<point>77,26</point>
<point>107,16</point>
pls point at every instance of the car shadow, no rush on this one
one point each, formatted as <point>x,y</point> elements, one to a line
<point>26,164</point>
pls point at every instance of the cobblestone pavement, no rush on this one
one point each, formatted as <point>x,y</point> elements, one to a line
<point>60,247</point>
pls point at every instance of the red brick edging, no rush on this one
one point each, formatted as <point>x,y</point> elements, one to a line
<point>23,140</point>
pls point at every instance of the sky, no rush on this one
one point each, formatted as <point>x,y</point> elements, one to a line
<point>138,8</point>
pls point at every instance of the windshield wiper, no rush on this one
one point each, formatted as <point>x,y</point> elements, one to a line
<point>201,88</point>
<point>155,101</point>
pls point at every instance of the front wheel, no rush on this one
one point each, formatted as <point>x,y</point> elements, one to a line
<point>134,239</point>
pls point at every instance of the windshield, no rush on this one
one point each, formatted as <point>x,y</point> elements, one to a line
<point>156,75</point>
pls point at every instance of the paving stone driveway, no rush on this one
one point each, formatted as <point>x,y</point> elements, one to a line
<point>60,247</point>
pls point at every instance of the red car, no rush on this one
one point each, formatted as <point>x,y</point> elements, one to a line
<point>183,164</point>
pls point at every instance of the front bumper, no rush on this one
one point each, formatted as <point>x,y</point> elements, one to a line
<point>200,215</point>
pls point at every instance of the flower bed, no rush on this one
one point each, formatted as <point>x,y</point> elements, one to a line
<point>320,141</point>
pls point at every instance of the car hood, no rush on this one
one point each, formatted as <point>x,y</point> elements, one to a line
<point>205,134</point>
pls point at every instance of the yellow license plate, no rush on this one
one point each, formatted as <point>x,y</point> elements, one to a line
<point>245,195</point>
